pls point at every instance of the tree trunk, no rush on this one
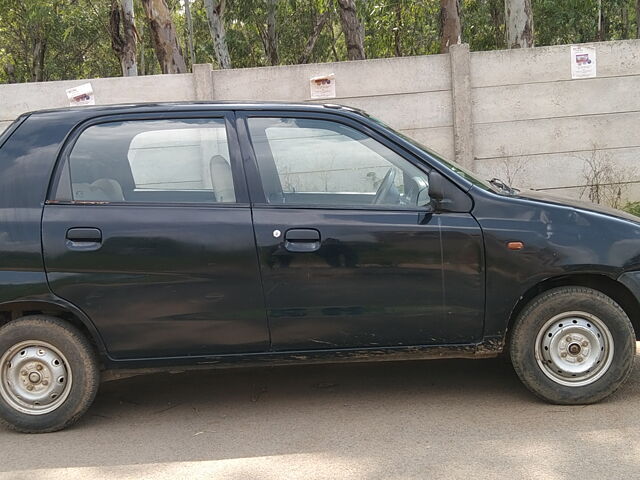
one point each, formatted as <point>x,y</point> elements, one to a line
<point>336,57</point>
<point>604,23</point>
<point>352,28</point>
<point>122,29</point>
<point>496,10</point>
<point>396,31</point>
<point>215,15</point>
<point>600,33</point>
<point>624,14</point>
<point>519,23</point>
<point>10,71</point>
<point>187,12</point>
<point>271,38</point>
<point>37,67</point>
<point>311,42</point>
<point>450,25</point>
<point>143,65</point>
<point>163,35</point>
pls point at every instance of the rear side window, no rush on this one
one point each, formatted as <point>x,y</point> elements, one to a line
<point>157,161</point>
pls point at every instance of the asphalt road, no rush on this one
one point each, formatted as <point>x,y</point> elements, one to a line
<point>440,419</point>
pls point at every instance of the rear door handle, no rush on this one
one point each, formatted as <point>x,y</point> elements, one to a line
<point>302,240</point>
<point>84,238</point>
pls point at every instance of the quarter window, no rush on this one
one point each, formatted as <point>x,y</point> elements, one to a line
<point>320,162</point>
<point>153,161</point>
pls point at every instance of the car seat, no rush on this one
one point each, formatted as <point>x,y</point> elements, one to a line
<point>222,179</point>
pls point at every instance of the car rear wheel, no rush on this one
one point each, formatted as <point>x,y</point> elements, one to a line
<point>572,345</point>
<point>48,374</point>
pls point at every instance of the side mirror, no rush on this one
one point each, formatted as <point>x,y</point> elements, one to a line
<point>445,196</point>
<point>422,191</point>
<point>437,183</point>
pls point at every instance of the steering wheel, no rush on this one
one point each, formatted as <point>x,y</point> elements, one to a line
<point>385,186</point>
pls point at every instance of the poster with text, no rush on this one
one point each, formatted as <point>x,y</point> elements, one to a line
<point>81,95</point>
<point>323,87</point>
<point>583,61</point>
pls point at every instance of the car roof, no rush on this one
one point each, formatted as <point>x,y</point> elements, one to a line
<point>193,106</point>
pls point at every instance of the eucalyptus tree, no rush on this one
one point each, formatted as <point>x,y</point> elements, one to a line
<point>519,23</point>
<point>450,25</point>
<point>165,41</point>
<point>580,21</point>
<point>122,28</point>
<point>215,15</point>
<point>189,31</point>
<point>43,40</point>
<point>352,29</point>
<point>270,34</point>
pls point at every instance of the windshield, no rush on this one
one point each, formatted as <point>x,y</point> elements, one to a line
<point>456,168</point>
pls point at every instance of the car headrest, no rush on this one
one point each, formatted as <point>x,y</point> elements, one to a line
<point>111,189</point>
<point>222,179</point>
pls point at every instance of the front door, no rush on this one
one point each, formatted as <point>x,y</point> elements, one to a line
<point>350,254</point>
<point>149,233</point>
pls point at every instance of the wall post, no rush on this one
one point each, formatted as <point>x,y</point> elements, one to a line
<point>203,81</point>
<point>460,59</point>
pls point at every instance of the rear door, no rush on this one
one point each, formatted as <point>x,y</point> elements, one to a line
<point>149,232</point>
<point>350,254</point>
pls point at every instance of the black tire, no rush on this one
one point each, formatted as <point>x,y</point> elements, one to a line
<point>536,367</point>
<point>81,362</point>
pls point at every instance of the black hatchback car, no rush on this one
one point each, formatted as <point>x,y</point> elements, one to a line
<point>172,235</point>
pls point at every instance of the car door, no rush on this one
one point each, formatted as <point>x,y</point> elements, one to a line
<point>148,231</point>
<point>351,255</point>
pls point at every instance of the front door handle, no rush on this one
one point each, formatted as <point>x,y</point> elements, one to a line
<point>302,240</point>
<point>84,238</point>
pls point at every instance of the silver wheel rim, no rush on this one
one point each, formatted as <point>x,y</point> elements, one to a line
<point>35,377</point>
<point>574,349</point>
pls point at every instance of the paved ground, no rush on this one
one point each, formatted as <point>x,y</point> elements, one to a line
<point>439,419</point>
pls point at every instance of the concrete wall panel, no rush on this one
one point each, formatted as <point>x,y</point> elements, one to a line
<point>353,79</point>
<point>4,125</point>
<point>548,64</point>
<point>24,97</point>
<point>554,135</point>
<point>405,111</point>
<point>556,99</point>
<point>570,172</point>
<point>439,140</point>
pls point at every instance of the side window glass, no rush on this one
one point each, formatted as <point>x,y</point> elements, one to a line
<point>154,161</point>
<point>320,162</point>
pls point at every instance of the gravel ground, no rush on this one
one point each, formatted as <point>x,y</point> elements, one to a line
<point>439,419</point>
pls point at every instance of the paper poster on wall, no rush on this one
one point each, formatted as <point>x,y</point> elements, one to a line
<point>81,95</point>
<point>583,61</point>
<point>323,87</point>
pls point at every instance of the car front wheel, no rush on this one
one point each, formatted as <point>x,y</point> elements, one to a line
<point>573,345</point>
<point>48,374</point>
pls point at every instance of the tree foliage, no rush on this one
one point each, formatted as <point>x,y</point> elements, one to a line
<point>64,39</point>
<point>65,30</point>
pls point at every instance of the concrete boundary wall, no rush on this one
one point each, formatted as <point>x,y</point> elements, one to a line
<point>516,114</point>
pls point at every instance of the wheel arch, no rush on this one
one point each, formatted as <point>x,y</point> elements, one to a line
<point>604,284</point>
<point>56,308</point>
